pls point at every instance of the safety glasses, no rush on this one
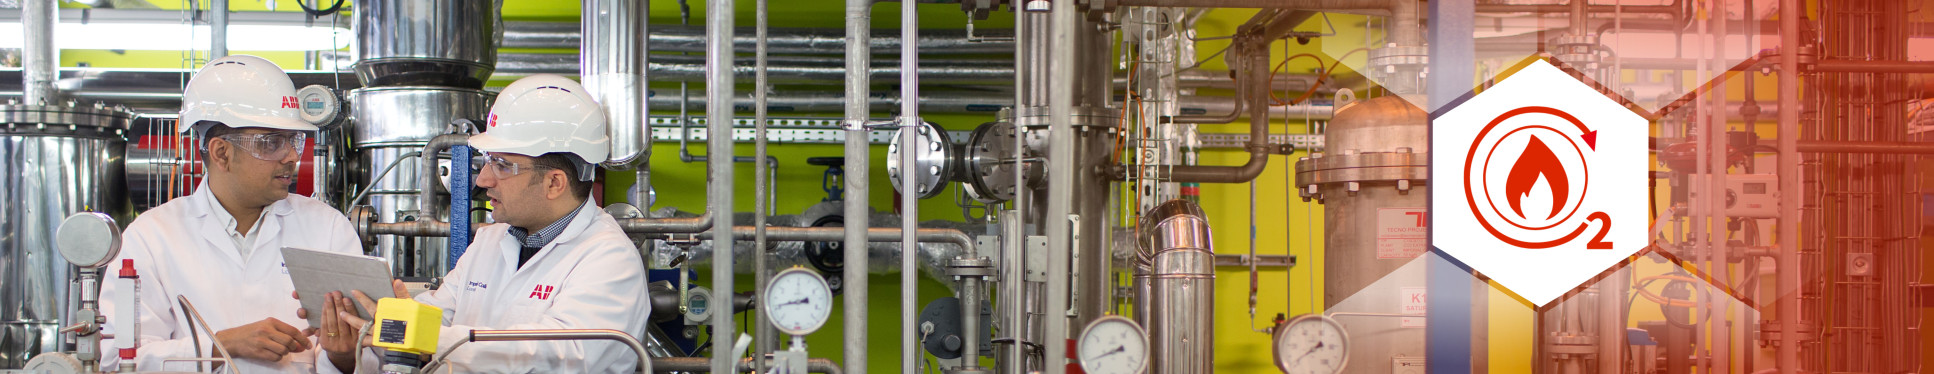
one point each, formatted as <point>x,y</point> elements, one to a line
<point>503,167</point>
<point>274,146</point>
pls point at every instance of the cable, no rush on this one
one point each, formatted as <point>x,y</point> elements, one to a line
<point>313,12</point>
<point>1327,72</point>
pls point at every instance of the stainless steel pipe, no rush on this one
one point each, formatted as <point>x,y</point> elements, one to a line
<point>781,41</point>
<point>431,180</point>
<point>719,57</point>
<point>40,57</point>
<point>644,359</point>
<point>699,365</point>
<point>858,58</point>
<point>614,72</point>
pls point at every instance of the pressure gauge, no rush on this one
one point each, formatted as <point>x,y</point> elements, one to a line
<point>318,104</point>
<point>1311,344</point>
<point>798,301</point>
<point>88,239</point>
<point>1113,345</point>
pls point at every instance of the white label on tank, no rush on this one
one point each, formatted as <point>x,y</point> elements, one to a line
<point>1400,233</point>
<point>1414,304</point>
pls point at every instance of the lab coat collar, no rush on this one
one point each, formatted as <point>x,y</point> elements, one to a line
<point>201,205</point>
<point>580,221</point>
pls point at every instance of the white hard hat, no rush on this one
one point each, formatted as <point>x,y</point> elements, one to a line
<point>242,91</point>
<point>545,114</point>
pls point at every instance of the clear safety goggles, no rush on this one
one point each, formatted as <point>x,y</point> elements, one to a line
<point>273,146</point>
<point>503,167</point>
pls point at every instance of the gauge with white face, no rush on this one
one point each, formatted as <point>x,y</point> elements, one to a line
<point>798,301</point>
<point>1113,345</point>
<point>1311,344</point>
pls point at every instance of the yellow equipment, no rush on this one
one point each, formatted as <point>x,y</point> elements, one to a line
<point>408,329</point>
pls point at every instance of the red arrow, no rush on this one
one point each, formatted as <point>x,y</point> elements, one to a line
<point>1591,139</point>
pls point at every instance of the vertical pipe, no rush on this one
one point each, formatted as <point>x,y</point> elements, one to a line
<point>1787,298</point>
<point>858,58</point>
<point>1061,160</point>
<point>1449,304</point>
<point>37,20</point>
<point>1014,229</point>
<point>613,70</point>
<point>767,336</point>
<point>718,110</point>
<point>909,202</point>
<point>217,29</point>
<point>1715,189</point>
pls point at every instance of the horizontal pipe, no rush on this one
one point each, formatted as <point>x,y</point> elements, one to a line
<point>828,70</point>
<point>1866,66</point>
<point>703,365</point>
<point>873,234</point>
<point>782,41</point>
<point>1348,6</point>
<point>562,334</point>
<point>667,225</point>
<point>977,102</point>
<point>1825,146</point>
<point>1566,9</point>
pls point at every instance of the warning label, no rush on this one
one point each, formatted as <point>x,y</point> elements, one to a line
<point>1400,233</point>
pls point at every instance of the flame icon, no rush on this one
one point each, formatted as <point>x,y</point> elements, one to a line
<point>1537,161</point>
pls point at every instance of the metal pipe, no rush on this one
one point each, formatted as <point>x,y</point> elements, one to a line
<point>217,29</point>
<point>1675,8</point>
<point>614,73</point>
<point>1579,17</point>
<point>644,358</point>
<point>1259,146</point>
<point>909,204</point>
<point>1718,250</point>
<point>859,20</point>
<point>872,234</point>
<point>784,41</point>
<point>40,58</point>
<point>1406,21</point>
<point>1061,162</point>
<point>765,333</point>
<point>719,112</point>
<point>1353,6</point>
<point>427,170</point>
<point>668,225</point>
<point>1787,297</point>
<point>698,365</point>
<point>1871,66</point>
<point>828,70</point>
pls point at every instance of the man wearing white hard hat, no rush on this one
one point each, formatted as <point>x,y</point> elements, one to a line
<point>220,246</point>
<point>553,260</point>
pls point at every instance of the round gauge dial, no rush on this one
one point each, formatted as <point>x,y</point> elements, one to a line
<point>1113,345</point>
<point>1311,344</point>
<point>798,301</point>
<point>88,239</point>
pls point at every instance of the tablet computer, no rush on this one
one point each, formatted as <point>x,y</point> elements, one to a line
<point>316,273</point>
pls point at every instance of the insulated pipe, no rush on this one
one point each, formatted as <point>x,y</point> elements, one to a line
<point>1871,66</point>
<point>719,112</point>
<point>1787,297</point>
<point>459,205</point>
<point>40,58</point>
<point>872,234</point>
<point>1060,170</point>
<point>859,20</point>
<point>909,203</point>
<point>1259,147</point>
<point>614,73</point>
<point>826,70</point>
<point>427,170</point>
<point>667,225</point>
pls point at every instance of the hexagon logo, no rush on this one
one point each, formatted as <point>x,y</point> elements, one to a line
<point>1539,182</point>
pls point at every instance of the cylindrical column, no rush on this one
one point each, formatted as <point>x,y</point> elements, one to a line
<point>719,113</point>
<point>40,57</point>
<point>909,202</point>
<point>1061,168</point>
<point>217,29</point>
<point>767,336</point>
<point>613,69</point>
<point>858,57</point>
<point>1787,297</point>
<point>1175,285</point>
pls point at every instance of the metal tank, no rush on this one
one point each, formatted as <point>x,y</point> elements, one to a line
<point>614,73</point>
<point>1371,182</point>
<point>388,123</point>
<point>1175,288</point>
<point>426,42</point>
<point>59,160</point>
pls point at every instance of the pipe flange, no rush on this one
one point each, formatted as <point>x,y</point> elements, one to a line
<point>971,267</point>
<point>1362,167</point>
<point>70,119</point>
<point>360,218</point>
<point>932,163</point>
<point>991,168</point>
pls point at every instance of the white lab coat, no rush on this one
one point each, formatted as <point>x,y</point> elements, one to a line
<point>590,277</point>
<point>181,249</point>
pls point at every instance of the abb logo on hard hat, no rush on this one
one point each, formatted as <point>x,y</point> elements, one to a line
<point>289,102</point>
<point>1540,182</point>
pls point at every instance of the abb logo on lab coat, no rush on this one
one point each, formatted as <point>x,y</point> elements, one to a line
<point>1539,182</point>
<point>542,292</point>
